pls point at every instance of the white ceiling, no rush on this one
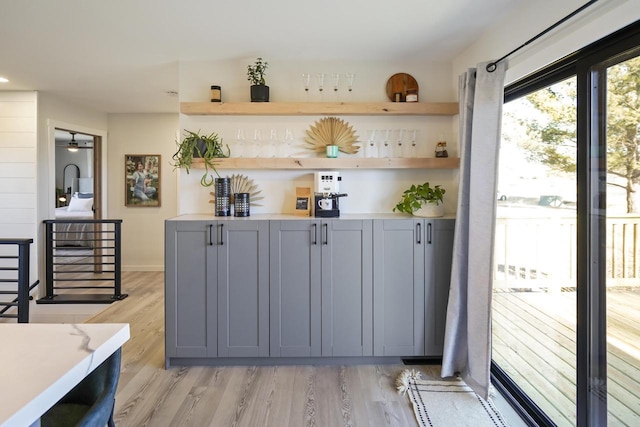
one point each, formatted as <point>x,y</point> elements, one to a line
<point>121,56</point>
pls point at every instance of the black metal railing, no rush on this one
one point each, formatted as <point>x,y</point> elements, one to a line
<point>82,255</point>
<point>14,270</point>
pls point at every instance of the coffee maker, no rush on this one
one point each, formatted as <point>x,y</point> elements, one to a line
<point>326,194</point>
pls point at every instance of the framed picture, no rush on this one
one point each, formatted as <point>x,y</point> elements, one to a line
<point>142,180</point>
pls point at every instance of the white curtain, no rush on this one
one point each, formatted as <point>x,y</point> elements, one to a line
<point>467,344</point>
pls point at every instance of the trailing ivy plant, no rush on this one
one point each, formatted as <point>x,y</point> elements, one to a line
<point>255,73</point>
<point>208,147</point>
<point>414,197</point>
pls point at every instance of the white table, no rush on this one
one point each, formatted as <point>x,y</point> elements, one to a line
<point>40,363</point>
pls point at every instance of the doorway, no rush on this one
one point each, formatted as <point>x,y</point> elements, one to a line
<point>78,172</point>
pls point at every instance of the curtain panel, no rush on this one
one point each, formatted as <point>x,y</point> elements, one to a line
<point>467,345</point>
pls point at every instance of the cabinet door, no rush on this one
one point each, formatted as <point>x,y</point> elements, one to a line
<point>243,288</point>
<point>438,256</point>
<point>190,289</point>
<point>398,287</point>
<point>294,253</point>
<point>347,299</point>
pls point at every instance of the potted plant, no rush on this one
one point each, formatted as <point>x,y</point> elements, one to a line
<point>194,145</point>
<point>422,200</point>
<point>255,74</point>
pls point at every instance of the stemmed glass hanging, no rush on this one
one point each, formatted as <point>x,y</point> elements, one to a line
<point>350,78</point>
<point>335,80</point>
<point>306,79</point>
<point>320,77</point>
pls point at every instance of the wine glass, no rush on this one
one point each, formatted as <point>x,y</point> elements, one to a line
<point>350,78</point>
<point>241,143</point>
<point>399,148</point>
<point>320,78</point>
<point>414,148</point>
<point>257,141</point>
<point>274,144</point>
<point>385,148</point>
<point>371,148</point>
<point>288,139</point>
<point>335,79</point>
<point>306,79</point>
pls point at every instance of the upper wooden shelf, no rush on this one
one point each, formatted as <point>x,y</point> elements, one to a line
<point>303,163</point>
<point>320,108</point>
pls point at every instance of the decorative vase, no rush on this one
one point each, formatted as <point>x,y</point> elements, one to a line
<point>430,210</point>
<point>332,151</point>
<point>259,93</point>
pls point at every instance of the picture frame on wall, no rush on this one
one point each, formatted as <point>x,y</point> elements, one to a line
<point>142,180</point>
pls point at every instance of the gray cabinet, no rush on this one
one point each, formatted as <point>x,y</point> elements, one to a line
<point>438,255</point>
<point>190,290</point>
<point>243,288</point>
<point>216,289</point>
<point>399,287</point>
<point>321,288</point>
<point>347,291</point>
<point>295,262</point>
<point>411,276</point>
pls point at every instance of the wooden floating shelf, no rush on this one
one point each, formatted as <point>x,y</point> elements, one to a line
<point>320,108</point>
<point>302,163</point>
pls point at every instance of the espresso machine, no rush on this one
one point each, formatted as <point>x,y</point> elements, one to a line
<point>327,194</point>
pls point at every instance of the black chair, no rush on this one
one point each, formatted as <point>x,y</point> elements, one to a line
<point>91,402</point>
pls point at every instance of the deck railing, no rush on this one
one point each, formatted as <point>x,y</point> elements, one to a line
<point>541,252</point>
<point>82,255</point>
<point>14,277</point>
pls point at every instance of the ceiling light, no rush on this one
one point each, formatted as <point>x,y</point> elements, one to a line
<point>73,145</point>
<point>4,80</point>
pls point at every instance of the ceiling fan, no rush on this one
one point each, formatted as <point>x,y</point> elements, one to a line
<point>73,145</point>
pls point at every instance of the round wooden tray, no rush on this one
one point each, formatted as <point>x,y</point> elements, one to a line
<point>400,83</point>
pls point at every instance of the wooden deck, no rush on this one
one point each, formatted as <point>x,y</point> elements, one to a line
<point>534,340</point>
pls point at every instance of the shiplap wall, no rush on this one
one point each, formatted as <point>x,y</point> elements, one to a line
<point>18,172</point>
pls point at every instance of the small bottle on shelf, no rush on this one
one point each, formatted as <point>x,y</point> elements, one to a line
<point>412,95</point>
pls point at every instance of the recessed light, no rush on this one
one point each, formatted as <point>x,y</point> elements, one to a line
<point>4,80</point>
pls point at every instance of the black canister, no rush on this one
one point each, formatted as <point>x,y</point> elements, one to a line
<point>241,204</point>
<point>223,196</point>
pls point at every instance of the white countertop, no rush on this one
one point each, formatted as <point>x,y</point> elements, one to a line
<point>211,217</point>
<point>40,363</point>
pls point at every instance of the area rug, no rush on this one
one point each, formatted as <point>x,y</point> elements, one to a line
<point>440,403</point>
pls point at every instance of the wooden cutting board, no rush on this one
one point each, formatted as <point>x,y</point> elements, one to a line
<point>400,83</point>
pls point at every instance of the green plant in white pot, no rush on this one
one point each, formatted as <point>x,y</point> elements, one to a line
<point>422,200</point>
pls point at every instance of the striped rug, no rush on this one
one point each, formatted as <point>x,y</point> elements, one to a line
<point>450,404</point>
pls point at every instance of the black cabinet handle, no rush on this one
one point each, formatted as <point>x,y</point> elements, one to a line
<point>429,233</point>
<point>326,234</point>
<point>221,233</point>
<point>315,234</point>
<point>210,234</point>
<point>419,233</point>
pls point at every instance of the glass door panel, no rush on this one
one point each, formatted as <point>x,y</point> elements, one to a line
<point>534,297</point>
<point>623,243</point>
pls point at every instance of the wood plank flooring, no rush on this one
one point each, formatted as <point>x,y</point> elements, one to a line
<point>278,396</point>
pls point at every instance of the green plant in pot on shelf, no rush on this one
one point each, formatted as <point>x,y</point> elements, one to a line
<point>422,200</point>
<point>255,74</point>
<point>207,147</point>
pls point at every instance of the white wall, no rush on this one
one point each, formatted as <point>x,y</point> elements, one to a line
<point>368,190</point>
<point>18,171</point>
<point>595,22</point>
<point>142,227</point>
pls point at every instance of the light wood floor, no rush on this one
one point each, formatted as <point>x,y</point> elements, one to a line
<point>323,396</point>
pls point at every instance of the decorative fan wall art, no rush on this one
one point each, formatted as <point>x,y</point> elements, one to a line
<point>242,184</point>
<point>332,131</point>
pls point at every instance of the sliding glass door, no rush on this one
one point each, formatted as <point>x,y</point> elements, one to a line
<point>623,242</point>
<point>534,298</point>
<point>566,300</point>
